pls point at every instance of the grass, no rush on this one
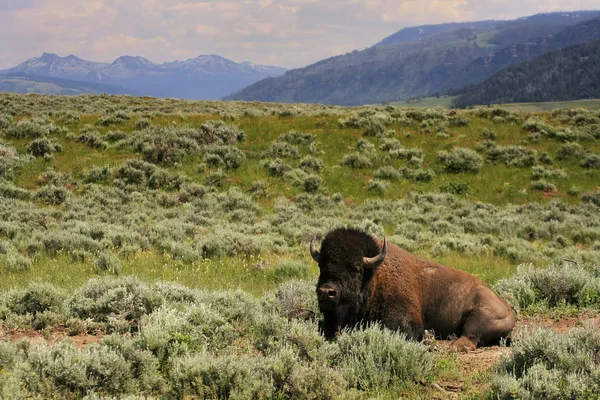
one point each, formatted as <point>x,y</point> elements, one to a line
<point>427,102</point>
<point>446,102</point>
<point>251,274</point>
<point>591,104</point>
<point>223,236</point>
<point>495,184</point>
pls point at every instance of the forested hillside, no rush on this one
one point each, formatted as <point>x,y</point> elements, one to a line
<point>569,74</point>
<point>484,67</point>
<point>426,66</point>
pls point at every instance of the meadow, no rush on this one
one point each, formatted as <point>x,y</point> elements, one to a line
<point>176,233</point>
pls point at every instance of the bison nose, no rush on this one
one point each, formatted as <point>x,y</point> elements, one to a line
<point>328,294</point>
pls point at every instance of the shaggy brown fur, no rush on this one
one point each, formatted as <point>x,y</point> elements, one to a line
<point>405,293</point>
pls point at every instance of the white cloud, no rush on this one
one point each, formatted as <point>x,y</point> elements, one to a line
<point>289,33</point>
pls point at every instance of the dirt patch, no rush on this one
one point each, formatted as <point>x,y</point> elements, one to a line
<point>562,325</point>
<point>49,337</point>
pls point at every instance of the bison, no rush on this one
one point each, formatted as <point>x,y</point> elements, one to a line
<point>364,280</point>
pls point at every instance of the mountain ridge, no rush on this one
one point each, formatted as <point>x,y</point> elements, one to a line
<point>206,77</point>
<point>409,68</point>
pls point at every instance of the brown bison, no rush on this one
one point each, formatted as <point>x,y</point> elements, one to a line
<point>363,280</point>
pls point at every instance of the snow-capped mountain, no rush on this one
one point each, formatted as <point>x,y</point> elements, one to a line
<point>204,77</point>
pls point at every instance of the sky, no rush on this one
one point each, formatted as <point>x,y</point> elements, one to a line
<point>286,33</point>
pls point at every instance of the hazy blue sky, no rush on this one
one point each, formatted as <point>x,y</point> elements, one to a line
<point>288,33</point>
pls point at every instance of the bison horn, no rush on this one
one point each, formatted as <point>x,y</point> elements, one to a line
<point>313,249</point>
<point>373,262</point>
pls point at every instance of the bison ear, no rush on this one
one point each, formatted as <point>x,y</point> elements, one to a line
<point>374,262</point>
<point>313,249</point>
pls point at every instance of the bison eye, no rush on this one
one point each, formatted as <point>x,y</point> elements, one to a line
<point>354,269</point>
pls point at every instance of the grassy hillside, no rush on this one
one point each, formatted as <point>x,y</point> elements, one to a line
<point>184,226</point>
<point>446,102</point>
<point>23,84</point>
<point>589,104</point>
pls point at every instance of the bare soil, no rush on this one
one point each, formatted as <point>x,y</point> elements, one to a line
<point>49,336</point>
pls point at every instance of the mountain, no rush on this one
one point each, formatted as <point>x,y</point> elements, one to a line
<point>206,77</point>
<point>424,31</point>
<point>484,67</point>
<point>23,83</point>
<point>419,64</point>
<point>572,73</point>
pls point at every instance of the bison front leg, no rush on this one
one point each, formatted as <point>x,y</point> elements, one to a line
<point>412,327</point>
<point>465,343</point>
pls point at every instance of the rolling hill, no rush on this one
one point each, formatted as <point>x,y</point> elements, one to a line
<point>23,83</point>
<point>412,66</point>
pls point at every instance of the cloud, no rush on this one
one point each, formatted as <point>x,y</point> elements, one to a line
<point>289,33</point>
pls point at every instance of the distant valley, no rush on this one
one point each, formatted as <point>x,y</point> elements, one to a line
<point>203,78</point>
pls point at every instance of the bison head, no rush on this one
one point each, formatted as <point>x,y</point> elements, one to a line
<point>347,261</point>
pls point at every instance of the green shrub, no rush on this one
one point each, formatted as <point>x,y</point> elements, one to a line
<point>418,175</point>
<point>32,129</point>
<point>282,150</point>
<point>356,161</point>
<point>9,160</point>
<point>296,137</point>
<point>540,172</point>
<point>287,269</point>
<point>537,125</point>
<point>590,161</point>
<point>489,135</point>
<point>114,301</point>
<point>220,133</point>
<point>52,195</point>
<point>312,183</point>
<point>592,197</point>
<point>455,187</point>
<point>551,286</point>
<point>137,174</point>
<point>211,376</point>
<point>570,150</point>
<point>164,146</point>
<point>276,167</point>
<point>37,298</point>
<point>543,186</point>
<point>42,147</point>
<point>377,186</point>
<point>230,156</point>
<point>388,172</point>
<point>51,177</point>
<point>549,365</point>
<point>5,121</point>
<point>142,123</point>
<point>97,175</point>
<point>107,262</point>
<point>294,299</point>
<point>460,160</point>
<point>378,359</point>
<point>545,158</point>
<point>310,163</point>
<point>91,139</point>
<point>514,156</point>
